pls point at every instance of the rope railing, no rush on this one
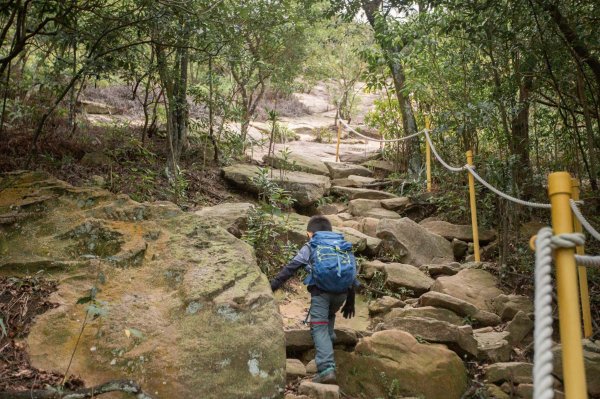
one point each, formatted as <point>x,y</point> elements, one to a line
<point>584,222</point>
<point>543,381</point>
<point>354,131</point>
<point>439,158</point>
<point>563,242</point>
<point>587,260</point>
<point>467,167</point>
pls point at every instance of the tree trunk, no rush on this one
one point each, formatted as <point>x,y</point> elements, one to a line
<point>211,119</point>
<point>519,139</point>
<point>589,129</point>
<point>391,53</point>
<point>572,38</point>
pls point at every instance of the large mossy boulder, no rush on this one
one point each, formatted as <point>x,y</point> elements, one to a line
<point>186,312</point>
<point>305,188</point>
<point>394,364</point>
<point>413,244</point>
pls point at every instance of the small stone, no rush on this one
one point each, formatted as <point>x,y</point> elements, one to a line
<point>494,391</point>
<point>519,327</point>
<point>113,362</point>
<point>345,216</point>
<point>294,369</point>
<point>493,346</point>
<point>515,372</point>
<point>319,391</point>
<point>338,170</point>
<point>507,306</point>
<point>525,391</point>
<point>460,307</point>
<point>327,209</point>
<point>384,305</point>
<point>459,248</point>
<point>311,367</point>
<point>443,269</point>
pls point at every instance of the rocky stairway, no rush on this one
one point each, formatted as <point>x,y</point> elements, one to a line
<point>452,309</point>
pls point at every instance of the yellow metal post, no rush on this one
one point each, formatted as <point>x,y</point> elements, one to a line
<point>339,138</point>
<point>428,156</point>
<point>473,209</point>
<point>582,272</point>
<point>559,189</point>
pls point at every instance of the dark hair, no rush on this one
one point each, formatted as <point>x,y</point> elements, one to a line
<point>318,223</point>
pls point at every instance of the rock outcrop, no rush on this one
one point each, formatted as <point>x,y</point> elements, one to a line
<point>472,285</point>
<point>395,362</point>
<point>413,244</point>
<point>457,338</point>
<point>183,307</point>
<point>457,231</point>
<point>339,170</point>
<point>400,276</point>
<point>297,162</point>
<point>361,193</point>
<point>305,188</point>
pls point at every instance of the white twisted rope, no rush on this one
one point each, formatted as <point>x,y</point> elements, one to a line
<point>584,222</point>
<point>471,170</point>
<point>504,195</point>
<point>379,140</point>
<point>587,260</point>
<point>542,357</point>
<point>444,164</point>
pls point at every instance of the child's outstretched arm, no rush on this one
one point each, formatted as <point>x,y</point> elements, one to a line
<point>301,259</point>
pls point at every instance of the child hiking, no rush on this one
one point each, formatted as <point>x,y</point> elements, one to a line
<point>331,280</point>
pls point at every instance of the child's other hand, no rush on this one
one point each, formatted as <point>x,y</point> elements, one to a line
<point>348,311</point>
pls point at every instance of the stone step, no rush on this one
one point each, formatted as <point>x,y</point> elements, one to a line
<point>361,193</point>
<point>319,391</point>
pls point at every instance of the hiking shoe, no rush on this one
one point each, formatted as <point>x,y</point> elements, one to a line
<point>326,376</point>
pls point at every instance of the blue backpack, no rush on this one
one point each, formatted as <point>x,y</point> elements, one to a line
<point>332,262</point>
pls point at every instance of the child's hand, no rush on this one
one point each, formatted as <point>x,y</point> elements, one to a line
<point>348,310</point>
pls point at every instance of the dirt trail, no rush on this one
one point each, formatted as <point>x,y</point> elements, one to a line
<point>322,117</point>
<point>294,304</point>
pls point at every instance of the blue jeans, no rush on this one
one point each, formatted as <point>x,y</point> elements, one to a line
<point>323,308</point>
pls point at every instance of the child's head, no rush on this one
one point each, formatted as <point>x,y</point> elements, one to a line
<point>317,223</point>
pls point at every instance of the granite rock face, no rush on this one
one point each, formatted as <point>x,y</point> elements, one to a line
<point>184,288</point>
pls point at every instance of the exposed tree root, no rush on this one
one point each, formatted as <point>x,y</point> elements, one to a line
<point>127,386</point>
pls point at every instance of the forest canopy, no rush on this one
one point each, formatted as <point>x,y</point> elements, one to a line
<point>518,82</point>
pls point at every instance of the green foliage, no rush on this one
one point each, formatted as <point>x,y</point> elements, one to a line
<point>325,200</point>
<point>267,224</point>
<point>323,135</point>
